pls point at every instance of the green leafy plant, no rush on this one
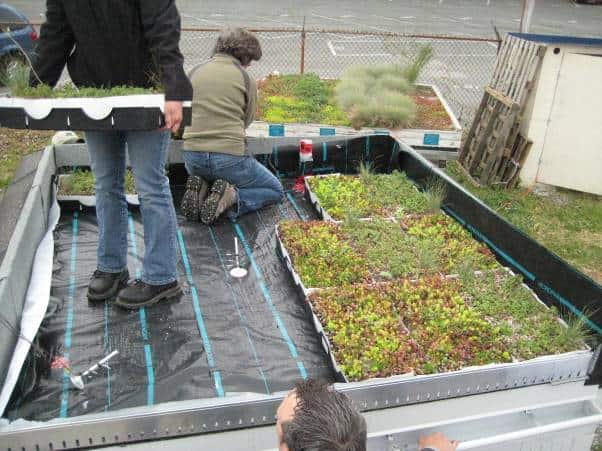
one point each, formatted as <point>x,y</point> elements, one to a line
<point>568,223</point>
<point>328,255</point>
<point>321,255</point>
<point>365,332</point>
<point>16,78</point>
<point>435,194</point>
<point>309,99</point>
<point>299,98</point>
<point>412,70</point>
<point>376,96</point>
<point>82,183</point>
<point>369,195</point>
<point>436,325</point>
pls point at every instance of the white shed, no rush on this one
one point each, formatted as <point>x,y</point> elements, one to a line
<point>563,116</point>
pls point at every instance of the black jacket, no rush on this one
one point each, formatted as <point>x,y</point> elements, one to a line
<point>108,43</point>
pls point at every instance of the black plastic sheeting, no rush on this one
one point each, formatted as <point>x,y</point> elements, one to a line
<point>224,336</point>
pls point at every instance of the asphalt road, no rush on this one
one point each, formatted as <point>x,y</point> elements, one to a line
<point>449,17</point>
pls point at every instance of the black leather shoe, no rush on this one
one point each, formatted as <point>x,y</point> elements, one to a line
<point>140,294</point>
<point>105,285</point>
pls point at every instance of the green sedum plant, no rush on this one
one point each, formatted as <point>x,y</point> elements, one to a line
<point>369,195</point>
<point>328,255</point>
<point>16,79</point>
<point>321,254</point>
<point>436,325</point>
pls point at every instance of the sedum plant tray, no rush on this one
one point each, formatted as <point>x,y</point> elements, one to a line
<point>412,328</point>
<point>336,197</point>
<point>128,112</point>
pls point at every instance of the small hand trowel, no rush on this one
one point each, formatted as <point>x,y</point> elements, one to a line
<point>78,379</point>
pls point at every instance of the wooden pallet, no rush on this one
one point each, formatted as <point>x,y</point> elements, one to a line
<point>493,152</point>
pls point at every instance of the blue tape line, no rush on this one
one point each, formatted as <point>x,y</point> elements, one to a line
<point>527,273</point>
<point>327,169</point>
<point>241,316</point>
<point>65,391</point>
<point>571,307</point>
<point>324,152</point>
<point>150,375</point>
<point>291,198</point>
<point>199,316</point>
<point>148,356</point>
<point>106,347</point>
<point>483,238</point>
<point>268,298</point>
<point>69,325</point>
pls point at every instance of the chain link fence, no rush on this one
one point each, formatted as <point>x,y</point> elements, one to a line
<point>460,67</point>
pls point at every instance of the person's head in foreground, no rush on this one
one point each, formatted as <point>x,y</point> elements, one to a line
<point>240,44</point>
<point>315,417</point>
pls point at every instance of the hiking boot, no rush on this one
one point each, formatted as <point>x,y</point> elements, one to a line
<point>105,285</point>
<point>197,189</point>
<point>140,294</point>
<point>222,196</point>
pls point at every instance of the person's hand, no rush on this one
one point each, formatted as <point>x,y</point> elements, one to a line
<point>437,441</point>
<point>173,115</point>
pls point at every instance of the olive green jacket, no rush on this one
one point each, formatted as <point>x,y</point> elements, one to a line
<point>223,106</point>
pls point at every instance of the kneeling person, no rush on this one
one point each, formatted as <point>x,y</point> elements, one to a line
<point>223,106</point>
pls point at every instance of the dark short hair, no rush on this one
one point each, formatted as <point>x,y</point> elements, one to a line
<point>239,43</point>
<point>324,420</point>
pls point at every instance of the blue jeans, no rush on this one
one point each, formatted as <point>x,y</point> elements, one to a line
<point>148,153</point>
<point>255,184</point>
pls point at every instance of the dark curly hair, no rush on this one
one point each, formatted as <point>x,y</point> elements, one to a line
<point>239,43</point>
<point>324,420</point>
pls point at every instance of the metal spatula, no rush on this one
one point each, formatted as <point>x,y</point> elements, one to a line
<point>78,379</point>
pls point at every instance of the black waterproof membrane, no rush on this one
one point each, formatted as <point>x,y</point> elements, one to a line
<point>134,118</point>
<point>227,335</point>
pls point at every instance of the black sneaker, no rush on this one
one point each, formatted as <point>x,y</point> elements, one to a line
<point>105,285</point>
<point>140,294</point>
<point>197,189</point>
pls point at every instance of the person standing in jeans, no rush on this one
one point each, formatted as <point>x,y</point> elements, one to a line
<point>223,106</point>
<point>124,43</point>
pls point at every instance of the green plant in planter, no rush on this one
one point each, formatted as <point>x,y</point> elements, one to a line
<point>368,195</point>
<point>16,79</point>
<point>82,183</point>
<point>451,334</point>
<point>299,98</point>
<point>436,325</point>
<point>321,255</point>
<point>365,332</point>
<point>535,329</point>
<point>455,244</point>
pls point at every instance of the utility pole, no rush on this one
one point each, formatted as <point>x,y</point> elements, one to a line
<point>525,19</point>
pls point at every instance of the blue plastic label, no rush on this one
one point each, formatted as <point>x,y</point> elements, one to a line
<point>431,139</point>
<point>276,130</point>
<point>327,131</point>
